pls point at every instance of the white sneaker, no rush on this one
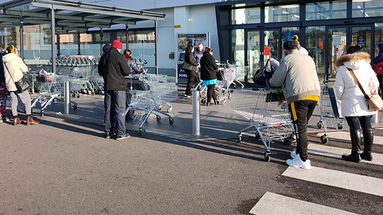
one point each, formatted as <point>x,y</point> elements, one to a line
<point>293,154</point>
<point>298,163</point>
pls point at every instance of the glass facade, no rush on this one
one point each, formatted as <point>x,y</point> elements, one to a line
<point>367,8</point>
<point>315,37</point>
<point>325,29</point>
<point>326,10</point>
<point>246,16</point>
<point>284,13</point>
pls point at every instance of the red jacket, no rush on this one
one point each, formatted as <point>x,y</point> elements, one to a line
<point>378,68</point>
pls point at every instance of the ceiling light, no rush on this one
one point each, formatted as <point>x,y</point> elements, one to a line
<point>289,6</point>
<point>361,0</point>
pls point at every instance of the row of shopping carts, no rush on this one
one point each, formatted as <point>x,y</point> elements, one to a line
<point>271,121</point>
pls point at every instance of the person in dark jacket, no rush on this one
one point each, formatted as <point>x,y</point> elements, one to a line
<point>192,71</point>
<point>113,67</point>
<point>209,71</point>
<point>3,89</point>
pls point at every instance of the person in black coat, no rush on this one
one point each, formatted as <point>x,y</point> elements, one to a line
<point>113,68</point>
<point>209,71</point>
<point>190,68</point>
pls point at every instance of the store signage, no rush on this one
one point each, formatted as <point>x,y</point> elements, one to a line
<point>177,26</point>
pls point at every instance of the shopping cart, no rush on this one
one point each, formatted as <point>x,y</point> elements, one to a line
<point>269,121</point>
<point>229,75</point>
<point>49,93</point>
<point>162,90</point>
<point>329,110</point>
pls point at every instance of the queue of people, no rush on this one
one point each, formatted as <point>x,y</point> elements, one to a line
<point>12,72</point>
<point>296,75</point>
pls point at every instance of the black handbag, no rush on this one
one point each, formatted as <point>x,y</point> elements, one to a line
<point>188,66</point>
<point>22,84</point>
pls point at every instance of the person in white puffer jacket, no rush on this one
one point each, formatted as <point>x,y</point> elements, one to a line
<point>354,107</point>
<point>14,70</point>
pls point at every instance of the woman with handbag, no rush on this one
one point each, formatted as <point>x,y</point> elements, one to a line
<point>190,67</point>
<point>209,71</point>
<point>14,71</point>
<point>355,79</point>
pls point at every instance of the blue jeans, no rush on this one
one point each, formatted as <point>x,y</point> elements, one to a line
<point>115,105</point>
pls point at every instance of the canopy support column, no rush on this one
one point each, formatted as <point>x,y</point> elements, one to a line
<point>101,41</point>
<point>58,45</point>
<point>78,44</point>
<point>155,45</point>
<point>126,36</point>
<point>21,37</point>
<point>53,34</point>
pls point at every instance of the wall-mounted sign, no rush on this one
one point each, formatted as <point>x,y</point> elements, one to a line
<point>177,26</point>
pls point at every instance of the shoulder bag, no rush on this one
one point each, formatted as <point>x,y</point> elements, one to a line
<point>374,102</point>
<point>22,84</point>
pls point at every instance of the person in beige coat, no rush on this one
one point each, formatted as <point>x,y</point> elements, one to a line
<point>299,81</point>
<point>14,70</point>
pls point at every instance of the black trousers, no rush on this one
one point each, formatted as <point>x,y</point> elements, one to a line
<point>192,79</point>
<point>355,123</point>
<point>115,105</point>
<point>301,112</point>
<point>211,94</point>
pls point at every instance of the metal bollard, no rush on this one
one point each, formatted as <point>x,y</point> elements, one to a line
<point>375,117</point>
<point>66,97</point>
<point>196,115</point>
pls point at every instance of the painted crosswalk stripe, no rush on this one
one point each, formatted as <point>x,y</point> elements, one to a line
<point>275,204</point>
<point>336,152</point>
<point>341,135</point>
<point>349,181</point>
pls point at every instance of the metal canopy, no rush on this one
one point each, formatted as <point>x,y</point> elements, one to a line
<point>70,15</point>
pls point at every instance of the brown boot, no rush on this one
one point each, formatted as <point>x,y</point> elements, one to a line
<point>31,121</point>
<point>16,121</point>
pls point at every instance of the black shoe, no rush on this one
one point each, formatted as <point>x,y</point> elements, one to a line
<point>366,156</point>
<point>353,158</point>
<point>121,137</point>
<point>108,136</point>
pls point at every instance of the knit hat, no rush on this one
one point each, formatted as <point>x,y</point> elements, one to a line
<point>117,44</point>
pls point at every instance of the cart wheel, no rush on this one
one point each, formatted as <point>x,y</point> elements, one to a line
<point>78,95</point>
<point>171,121</point>
<point>267,156</point>
<point>142,131</point>
<point>158,119</point>
<point>320,124</point>
<point>229,96</point>
<point>74,107</point>
<point>340,126</point>
<point>239,138</point>
<point>203,101</point>
<point>170,108</point>
<point>42,113</point>
<point>223,102</point>
<point>324,139</point>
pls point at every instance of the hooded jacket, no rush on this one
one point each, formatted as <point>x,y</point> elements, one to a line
<point>208,68</point>
<point>14,69</point>
<point>347,91</point>
<point>297,76</point>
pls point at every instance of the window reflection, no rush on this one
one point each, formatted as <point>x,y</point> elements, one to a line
<point>367,8</point>
<point>326,10</point>
<point>245,16</point>
<point>282,13</point>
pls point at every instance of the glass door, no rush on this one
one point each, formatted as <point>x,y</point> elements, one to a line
<point>362,36</point>
<point>260,46</point>
<point>337,44</point>
<point>254,53</point>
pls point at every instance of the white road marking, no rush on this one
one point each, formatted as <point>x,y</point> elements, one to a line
<point>336,152</point>
<point>274,204</point>
<point>346,136</point>
<point>349,181</point>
